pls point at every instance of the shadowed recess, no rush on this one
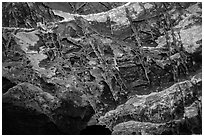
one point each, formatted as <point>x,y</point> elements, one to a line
<point>95,130</point>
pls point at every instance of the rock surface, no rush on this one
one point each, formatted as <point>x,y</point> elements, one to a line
<point>151,113</point>
<point>134,68</point>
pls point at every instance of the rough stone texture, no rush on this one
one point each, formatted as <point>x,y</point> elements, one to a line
<point>189,29</point>
<point>136,128</point>
<point>29,96</point>
<point>153,111</point>
<point>88,68</point>
<point>32,98</point>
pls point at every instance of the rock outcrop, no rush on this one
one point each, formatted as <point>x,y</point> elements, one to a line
<point>134,68</point>
<point>174,110</point>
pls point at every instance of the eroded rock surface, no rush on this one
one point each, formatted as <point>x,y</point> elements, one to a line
<point>134,68</point>
<point>151,114</point>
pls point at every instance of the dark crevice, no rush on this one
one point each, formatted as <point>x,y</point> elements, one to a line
<point>95,130</point>
<point>6,84</point>
<point>48,87</point>
<point>21,121</point>
<point>70,118</point>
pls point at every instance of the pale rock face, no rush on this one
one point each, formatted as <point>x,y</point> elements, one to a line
<point>189,30</point>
